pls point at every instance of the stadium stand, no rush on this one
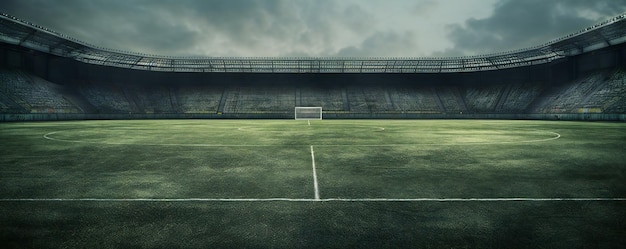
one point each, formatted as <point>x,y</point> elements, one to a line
<point>107,98</point>
<point>44,72</point>
<point>413,100</point>
<point>198,98</point>
<point>610,96</point>
<point>10,106</point>
<point>568,98</point>
<point>449,99</point>
<point>24,92</point>
<point>150,99</point>
<point>259,99</point>
<point>602,91</point>
<point>368,99</point>
<point>483,99</point>
<point>328,97</point>
<point>518,97</point>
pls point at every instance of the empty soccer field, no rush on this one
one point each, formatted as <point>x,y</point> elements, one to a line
<point>318,183</point>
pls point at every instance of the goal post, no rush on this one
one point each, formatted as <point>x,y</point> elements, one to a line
<point>308,113</point>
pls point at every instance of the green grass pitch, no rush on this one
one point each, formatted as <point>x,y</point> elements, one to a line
<point>317,184</point>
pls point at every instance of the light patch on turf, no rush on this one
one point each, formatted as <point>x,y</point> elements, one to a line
<point>451,140</point>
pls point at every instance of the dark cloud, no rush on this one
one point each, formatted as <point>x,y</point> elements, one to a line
<point>382,44</point>
<point>519,24</point>
<point>311,27</point>
<point>199,27</point>
<point>124,25</point>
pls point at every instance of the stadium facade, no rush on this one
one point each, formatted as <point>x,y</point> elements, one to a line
<point>49,76</point>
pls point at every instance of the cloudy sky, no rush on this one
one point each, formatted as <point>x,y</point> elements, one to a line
<point>328,28</point>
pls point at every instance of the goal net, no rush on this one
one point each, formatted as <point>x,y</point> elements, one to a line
<point>307,113</point>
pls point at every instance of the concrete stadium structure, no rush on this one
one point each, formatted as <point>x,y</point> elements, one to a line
<point>48,76</point>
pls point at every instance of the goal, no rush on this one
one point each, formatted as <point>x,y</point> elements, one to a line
<point>308,113</point>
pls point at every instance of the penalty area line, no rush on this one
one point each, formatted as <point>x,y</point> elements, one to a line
<point>314,200</point>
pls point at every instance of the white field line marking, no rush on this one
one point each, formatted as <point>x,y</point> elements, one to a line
<point>556,136</point>
<point>317,190</point>
<point>309,122</point>
<point>515,199</point>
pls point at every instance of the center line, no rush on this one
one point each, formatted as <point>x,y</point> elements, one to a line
<point>317,191</point>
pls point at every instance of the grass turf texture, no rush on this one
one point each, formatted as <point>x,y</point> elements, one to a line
<point>250,159</point>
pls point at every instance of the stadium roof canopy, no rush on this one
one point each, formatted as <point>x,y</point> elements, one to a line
<point>25,34</point>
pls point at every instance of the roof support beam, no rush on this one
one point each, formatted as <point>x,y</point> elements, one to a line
<point>602,37</point>
<point>492,63</point>
<point>30,34</point>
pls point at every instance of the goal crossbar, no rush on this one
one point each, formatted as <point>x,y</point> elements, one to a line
<point>307,113</point>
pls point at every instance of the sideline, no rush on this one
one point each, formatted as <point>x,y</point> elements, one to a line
<point>514,199</point>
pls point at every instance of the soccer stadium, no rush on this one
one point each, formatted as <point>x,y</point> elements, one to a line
<point>113,149</point>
